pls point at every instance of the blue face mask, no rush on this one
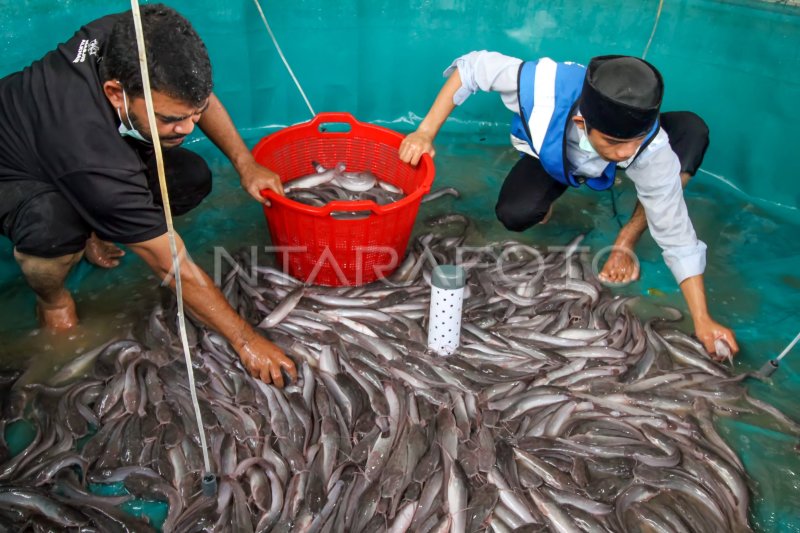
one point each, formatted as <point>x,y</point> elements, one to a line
<point>584,144</point>
<point>128,129</point>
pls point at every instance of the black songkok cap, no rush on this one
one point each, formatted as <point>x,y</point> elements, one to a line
<point>621,96</point>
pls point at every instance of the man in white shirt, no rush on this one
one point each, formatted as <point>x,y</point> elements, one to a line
<point>575,126</point>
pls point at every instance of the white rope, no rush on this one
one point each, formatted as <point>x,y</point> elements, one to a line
<point>283,58</point>
<point>786,350</point>
<point>148,98</point>
<point>653,33</point>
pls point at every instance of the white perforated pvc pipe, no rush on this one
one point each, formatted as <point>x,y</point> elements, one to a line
<point>444,318</point>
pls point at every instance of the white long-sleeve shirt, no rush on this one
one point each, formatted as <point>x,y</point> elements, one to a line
<point>655,173</point>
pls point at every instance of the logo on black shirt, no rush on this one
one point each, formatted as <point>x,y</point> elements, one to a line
<point>86,48</point>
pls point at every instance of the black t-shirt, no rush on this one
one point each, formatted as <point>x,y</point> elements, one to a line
<point>57,125</point>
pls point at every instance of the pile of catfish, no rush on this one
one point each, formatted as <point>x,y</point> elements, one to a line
<point>561,411</point>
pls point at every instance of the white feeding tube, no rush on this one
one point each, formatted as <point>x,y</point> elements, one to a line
<point>788,348</point>
<point>283,58</point>
<point>447,299</point>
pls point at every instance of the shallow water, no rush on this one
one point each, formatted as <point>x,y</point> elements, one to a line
<point>751,280</point>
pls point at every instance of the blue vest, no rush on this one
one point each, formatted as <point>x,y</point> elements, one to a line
<point>548,96</point>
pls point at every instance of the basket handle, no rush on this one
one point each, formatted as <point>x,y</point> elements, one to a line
<point>335,117</point>
<point>345,205</point>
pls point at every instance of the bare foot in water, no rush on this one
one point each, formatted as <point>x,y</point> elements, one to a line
<point>622,265</point>
<point>102,253</point>
<point>59,316</point>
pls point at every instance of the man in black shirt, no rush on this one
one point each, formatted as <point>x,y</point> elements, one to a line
<point>77,171</point>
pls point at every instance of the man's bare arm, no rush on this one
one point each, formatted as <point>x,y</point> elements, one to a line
<point>218,126</point>
<point>262,358</point>
<point>705,328</point>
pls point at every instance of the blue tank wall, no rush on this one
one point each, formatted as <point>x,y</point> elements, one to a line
<point>736,63</point>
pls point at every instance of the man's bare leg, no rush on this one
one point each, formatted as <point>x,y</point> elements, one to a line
<point>54,304</point>
<point>621,266</point>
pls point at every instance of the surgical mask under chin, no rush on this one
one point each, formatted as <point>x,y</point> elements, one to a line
<point>584,143</point>
<point>124,129</point>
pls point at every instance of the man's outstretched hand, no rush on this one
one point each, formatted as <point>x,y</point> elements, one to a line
<point>264,360</point>
<point>256,178</point>
<point>621,266</point>
<point>710,332</point>
<point>414,146</point>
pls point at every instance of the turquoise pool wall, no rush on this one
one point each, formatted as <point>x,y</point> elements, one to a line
<point>736,63</point>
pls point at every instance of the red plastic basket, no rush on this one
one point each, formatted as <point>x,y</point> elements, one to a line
<point>312,245</point>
